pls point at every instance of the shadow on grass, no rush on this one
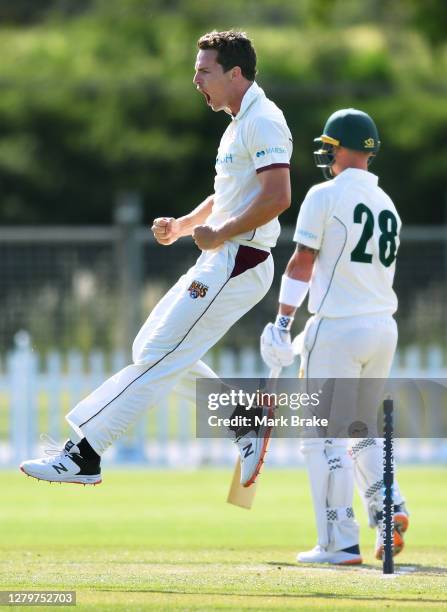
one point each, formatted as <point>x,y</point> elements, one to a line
<point>279,596</point>
<point>403,568</point>
<point>424,569</point>
<point>323,566</point>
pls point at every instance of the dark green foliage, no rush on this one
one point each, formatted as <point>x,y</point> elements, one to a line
<point>97,96</point>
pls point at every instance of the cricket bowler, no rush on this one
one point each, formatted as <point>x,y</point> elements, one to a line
<point>347,237</point>
<point>235,227</point>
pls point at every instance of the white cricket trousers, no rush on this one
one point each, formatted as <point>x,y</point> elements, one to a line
<point>349,347</point>
<point>195,313</point>
<point>360,347</point>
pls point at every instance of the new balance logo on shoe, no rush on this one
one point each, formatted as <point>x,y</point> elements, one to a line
<point>252,441</point>
<point>66,465</point>
<point>248,450</point>
<point>60,468</point>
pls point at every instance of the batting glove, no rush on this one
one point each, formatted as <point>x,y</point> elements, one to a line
<point>276,347</point>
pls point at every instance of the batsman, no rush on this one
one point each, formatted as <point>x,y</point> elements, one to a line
<point>347,236</point>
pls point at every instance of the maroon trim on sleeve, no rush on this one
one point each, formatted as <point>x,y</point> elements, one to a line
<point>272,166</point>
<point>247,258</point>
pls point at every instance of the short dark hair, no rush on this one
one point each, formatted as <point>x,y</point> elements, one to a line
<point>233,49</point>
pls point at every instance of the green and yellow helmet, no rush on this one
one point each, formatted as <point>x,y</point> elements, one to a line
<point>349,128</point>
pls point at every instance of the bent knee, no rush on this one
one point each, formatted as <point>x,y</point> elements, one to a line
<point>142,354</point>
<point>137,353</point>
<point>141,357</point>
<point>149,353</point>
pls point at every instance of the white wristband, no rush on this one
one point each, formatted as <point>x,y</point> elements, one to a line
<point>292,291</point>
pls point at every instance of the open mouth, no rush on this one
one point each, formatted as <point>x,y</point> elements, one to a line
<point>206,96</point>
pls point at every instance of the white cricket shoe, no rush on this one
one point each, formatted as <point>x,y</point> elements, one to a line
<point>339,557</point>
<point>66,465</point>
<point>252,440</point>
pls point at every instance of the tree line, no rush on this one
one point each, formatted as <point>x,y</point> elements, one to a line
<point>97,98</point>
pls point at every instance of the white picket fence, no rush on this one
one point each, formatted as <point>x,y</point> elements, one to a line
<point>35,394</point>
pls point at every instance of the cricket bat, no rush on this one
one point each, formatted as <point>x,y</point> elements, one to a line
<point>239,495</point>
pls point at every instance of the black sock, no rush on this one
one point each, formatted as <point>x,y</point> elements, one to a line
<point>87,451</point>
<point>354,550</point>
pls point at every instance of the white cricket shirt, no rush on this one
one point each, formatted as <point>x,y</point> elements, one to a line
<point>257,139</point>
<point>355,226</point>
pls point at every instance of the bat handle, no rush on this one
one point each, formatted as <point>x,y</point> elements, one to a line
<point>273,377</point>
<point>274,373</point>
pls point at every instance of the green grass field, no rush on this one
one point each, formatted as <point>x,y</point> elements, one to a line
<point>152,540</point>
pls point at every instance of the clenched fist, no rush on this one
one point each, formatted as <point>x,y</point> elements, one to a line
<point>206,237</point>
<point>166,230</point>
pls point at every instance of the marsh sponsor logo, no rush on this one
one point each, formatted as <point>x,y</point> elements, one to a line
<point>276,150</point>
<point>270,150</point>
<point>307,234</point>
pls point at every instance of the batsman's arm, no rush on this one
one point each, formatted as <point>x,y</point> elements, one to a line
<point>167,230</point>
<point>299,269</point>
<point>276,342</point>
